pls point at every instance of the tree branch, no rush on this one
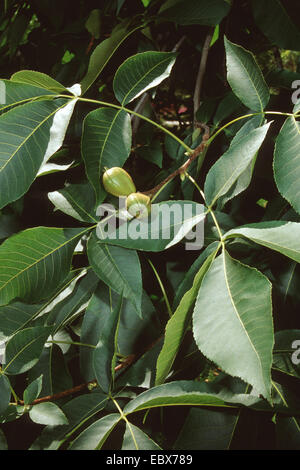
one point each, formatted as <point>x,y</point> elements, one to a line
<point>183,168</point>
<point>201,72</point>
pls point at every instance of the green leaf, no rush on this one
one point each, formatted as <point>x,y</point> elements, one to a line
<point>275,23</point>
<point>72,304</point>
<point>287,433</point>
<point>287,162</point>
<point>134,331</point>
<point>35,262</point>
<point>152,153</point>
<point>4,393</point>
<point>13,93</point>
<point>48,414</point>
<point>185,393</point>
<point>135,439</point>
<point>280,236</point>
<point>245,77</point>
<point>104,51</point>
<point>118,267</point>
<point>23,350</point>
<point>142,372</point>
<point>104,357</point>
<point>187,12</point>
<point>168,223</point>
<point>93,437</point>
<point>39,79</point>
<point>93,23</point>
<point>77,201</point>
<point>286,357</point>
<point>30,134</point>
<point>33,390</point>
<point>78,411</point>
<point>178,323</point>
<point>243,181</point>
<point>3,442</point>
<point>233,163</point>
<point>141,72</point>
<point>15,316</point>
<point>53,367</point>
<point>207,430</point>
<point>232,321</point>
<point>106,142</point>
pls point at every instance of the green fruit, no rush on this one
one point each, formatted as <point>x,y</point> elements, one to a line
<point>138,205</point>
<point>118,182</point>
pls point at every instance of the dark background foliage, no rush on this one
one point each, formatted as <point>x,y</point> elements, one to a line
<point>53,37</point>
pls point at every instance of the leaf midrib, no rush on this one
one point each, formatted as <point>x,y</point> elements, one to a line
<point>42,258</point>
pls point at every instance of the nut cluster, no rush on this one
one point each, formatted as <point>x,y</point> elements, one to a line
<point>119,183</point>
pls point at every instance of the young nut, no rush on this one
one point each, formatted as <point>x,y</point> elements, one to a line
<point>118,182</point>
<point>138,205</point>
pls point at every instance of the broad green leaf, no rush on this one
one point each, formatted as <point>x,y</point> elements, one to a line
<point>232,321</point>
<point>48,414</point>
<point>185,393</point>
<point>168,224</point>
<point>74,303</point>
<point>15,316</point>
<point>76,200</point>
<point>4,393</point>
<point>187,12</point>
<point>93,437</point>
<point>280,236</point>
<point>3,442</point>
<point>233,163</point>
<point>207,430</point>
<point>178,323</point>
<point>140,73</point>
<point>53,367</point>
<point>189,275</point>
<point>275,23</point>
<point>245,77</point>
<point>33,390</point>
<point>93,23</point>
<point>78,411</point>
<point>287,428</point>
<point>30,134</point>
<point>152,153</point>
<point>142,372</point>
<point>227,106</point>
<point>104,51</point>
<point>35,262</point>
<point>245,177</point>
<point>118,267</point>
<point>134,332</point>
<point>13,93</point>
<point>287,433</point>
<point>104,357</point>
<point>287,162</point>
<point>23,350</point>
<point>106,142</point>
<point>286,357</point>
<point>38,79</point>
<point>135,439</point>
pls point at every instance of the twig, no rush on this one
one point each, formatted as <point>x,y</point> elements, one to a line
<point>201,72</point>
<point>78,388</point>
<point>183,168</point>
